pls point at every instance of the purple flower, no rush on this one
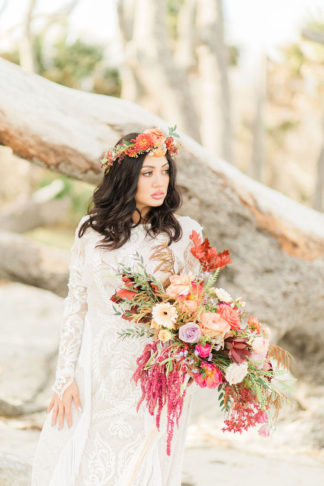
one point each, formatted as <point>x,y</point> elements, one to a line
<point>190,332</point>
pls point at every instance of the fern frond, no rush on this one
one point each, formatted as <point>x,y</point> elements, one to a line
<point>282,356</point>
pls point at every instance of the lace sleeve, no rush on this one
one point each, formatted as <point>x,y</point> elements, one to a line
<point>74,311</point>
<point>191,263</point>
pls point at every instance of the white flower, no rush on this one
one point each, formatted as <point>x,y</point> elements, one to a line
<point>165,314</point>
<point>235,373</point>
<point>223,295</point>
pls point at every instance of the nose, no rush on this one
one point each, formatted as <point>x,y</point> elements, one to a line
<point>158,180</point>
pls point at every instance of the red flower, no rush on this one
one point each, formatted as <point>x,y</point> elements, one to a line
<point>207,255</point>
<point>131,151</point>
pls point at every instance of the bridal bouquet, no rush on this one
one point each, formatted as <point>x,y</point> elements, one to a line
<point>200,334</point>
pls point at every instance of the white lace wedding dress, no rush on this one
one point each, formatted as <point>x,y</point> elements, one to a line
<point>109,443</point>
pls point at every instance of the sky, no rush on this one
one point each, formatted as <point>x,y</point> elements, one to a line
<point>253,24</point>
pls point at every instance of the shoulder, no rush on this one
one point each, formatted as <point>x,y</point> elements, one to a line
<point>80,223</point>
<point>188,224</point>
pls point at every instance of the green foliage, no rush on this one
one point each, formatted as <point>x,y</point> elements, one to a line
<point>135,332</point>
<point>73,62</point>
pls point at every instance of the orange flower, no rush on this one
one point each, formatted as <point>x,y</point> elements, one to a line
<point>159,152</point>
<point>144,141</point>
<point>254,324</point>
<point>157,136</point>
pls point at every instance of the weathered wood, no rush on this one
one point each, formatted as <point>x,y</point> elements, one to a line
<point>41,209</point>
<point>276,244</point>
<point>31,263</point>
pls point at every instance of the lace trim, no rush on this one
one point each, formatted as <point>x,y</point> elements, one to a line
<point>191,263</point>
<point>74,311</point>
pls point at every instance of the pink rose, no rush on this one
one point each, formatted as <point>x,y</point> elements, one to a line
<point>203,351</point>
<point>264,430</point>
<point>213,324</point>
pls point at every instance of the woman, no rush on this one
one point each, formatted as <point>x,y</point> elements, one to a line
<point>92,434</point>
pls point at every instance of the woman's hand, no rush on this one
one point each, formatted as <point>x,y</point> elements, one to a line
<point>63,407</point>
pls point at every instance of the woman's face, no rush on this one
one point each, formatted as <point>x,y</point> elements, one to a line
<point>153,183</point>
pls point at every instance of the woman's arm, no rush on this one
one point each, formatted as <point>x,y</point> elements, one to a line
<point>74,311</point>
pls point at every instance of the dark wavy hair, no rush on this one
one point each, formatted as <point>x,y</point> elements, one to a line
<point>114,203</point>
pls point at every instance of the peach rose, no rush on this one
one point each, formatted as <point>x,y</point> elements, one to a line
<point>180,285</point>
<point>230,315</point>
<point>187,305</point>
<point>213,324</point>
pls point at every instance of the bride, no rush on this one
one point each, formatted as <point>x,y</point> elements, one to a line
<point>92,434</point>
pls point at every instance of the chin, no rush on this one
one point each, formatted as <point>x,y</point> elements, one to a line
<point>156,202</point>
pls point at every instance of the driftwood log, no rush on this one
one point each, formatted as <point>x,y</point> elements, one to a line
<point>276,244</point>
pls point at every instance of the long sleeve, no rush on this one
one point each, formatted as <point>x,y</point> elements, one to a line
<point>191,263</point>
<point>74,311</point>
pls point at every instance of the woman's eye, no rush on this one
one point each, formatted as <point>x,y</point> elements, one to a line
<point>150,172</point>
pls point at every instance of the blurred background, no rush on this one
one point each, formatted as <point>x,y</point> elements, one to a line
<point>245,79</point>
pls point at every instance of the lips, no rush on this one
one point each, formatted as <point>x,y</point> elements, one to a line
<point>158,194</point>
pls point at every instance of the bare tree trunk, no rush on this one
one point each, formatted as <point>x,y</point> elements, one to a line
<point>276,244</point>
<point>151,59</point>
<point>318,202</point>
<point>186,41</point>
<point>215,102</point>
<point>256,169</point>
<point>26,48</point>
<point>131,88</point>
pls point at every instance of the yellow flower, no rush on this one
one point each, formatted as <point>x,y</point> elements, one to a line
<point>154,324</point>
<point>165,314</point>
<point>164,335</point>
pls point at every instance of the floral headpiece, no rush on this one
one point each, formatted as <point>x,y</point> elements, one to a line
<point>152,141</point>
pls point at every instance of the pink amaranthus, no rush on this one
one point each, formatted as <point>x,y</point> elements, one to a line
<point>200,332</point>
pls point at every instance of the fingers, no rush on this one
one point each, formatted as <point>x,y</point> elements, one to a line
<point>68,413</point>
<point>54,414</point>
<point>50,405</point>
<point>77,402</point>
<point>61,414</point>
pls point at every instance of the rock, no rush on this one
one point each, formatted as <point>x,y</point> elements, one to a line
<point>29,334</point>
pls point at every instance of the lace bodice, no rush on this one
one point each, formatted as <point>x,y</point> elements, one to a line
<point>92,282</point>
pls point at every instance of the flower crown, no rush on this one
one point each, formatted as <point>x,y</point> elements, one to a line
<point>152,141</point>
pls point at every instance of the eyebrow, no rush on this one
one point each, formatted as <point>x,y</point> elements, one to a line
<point>153,167</point>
